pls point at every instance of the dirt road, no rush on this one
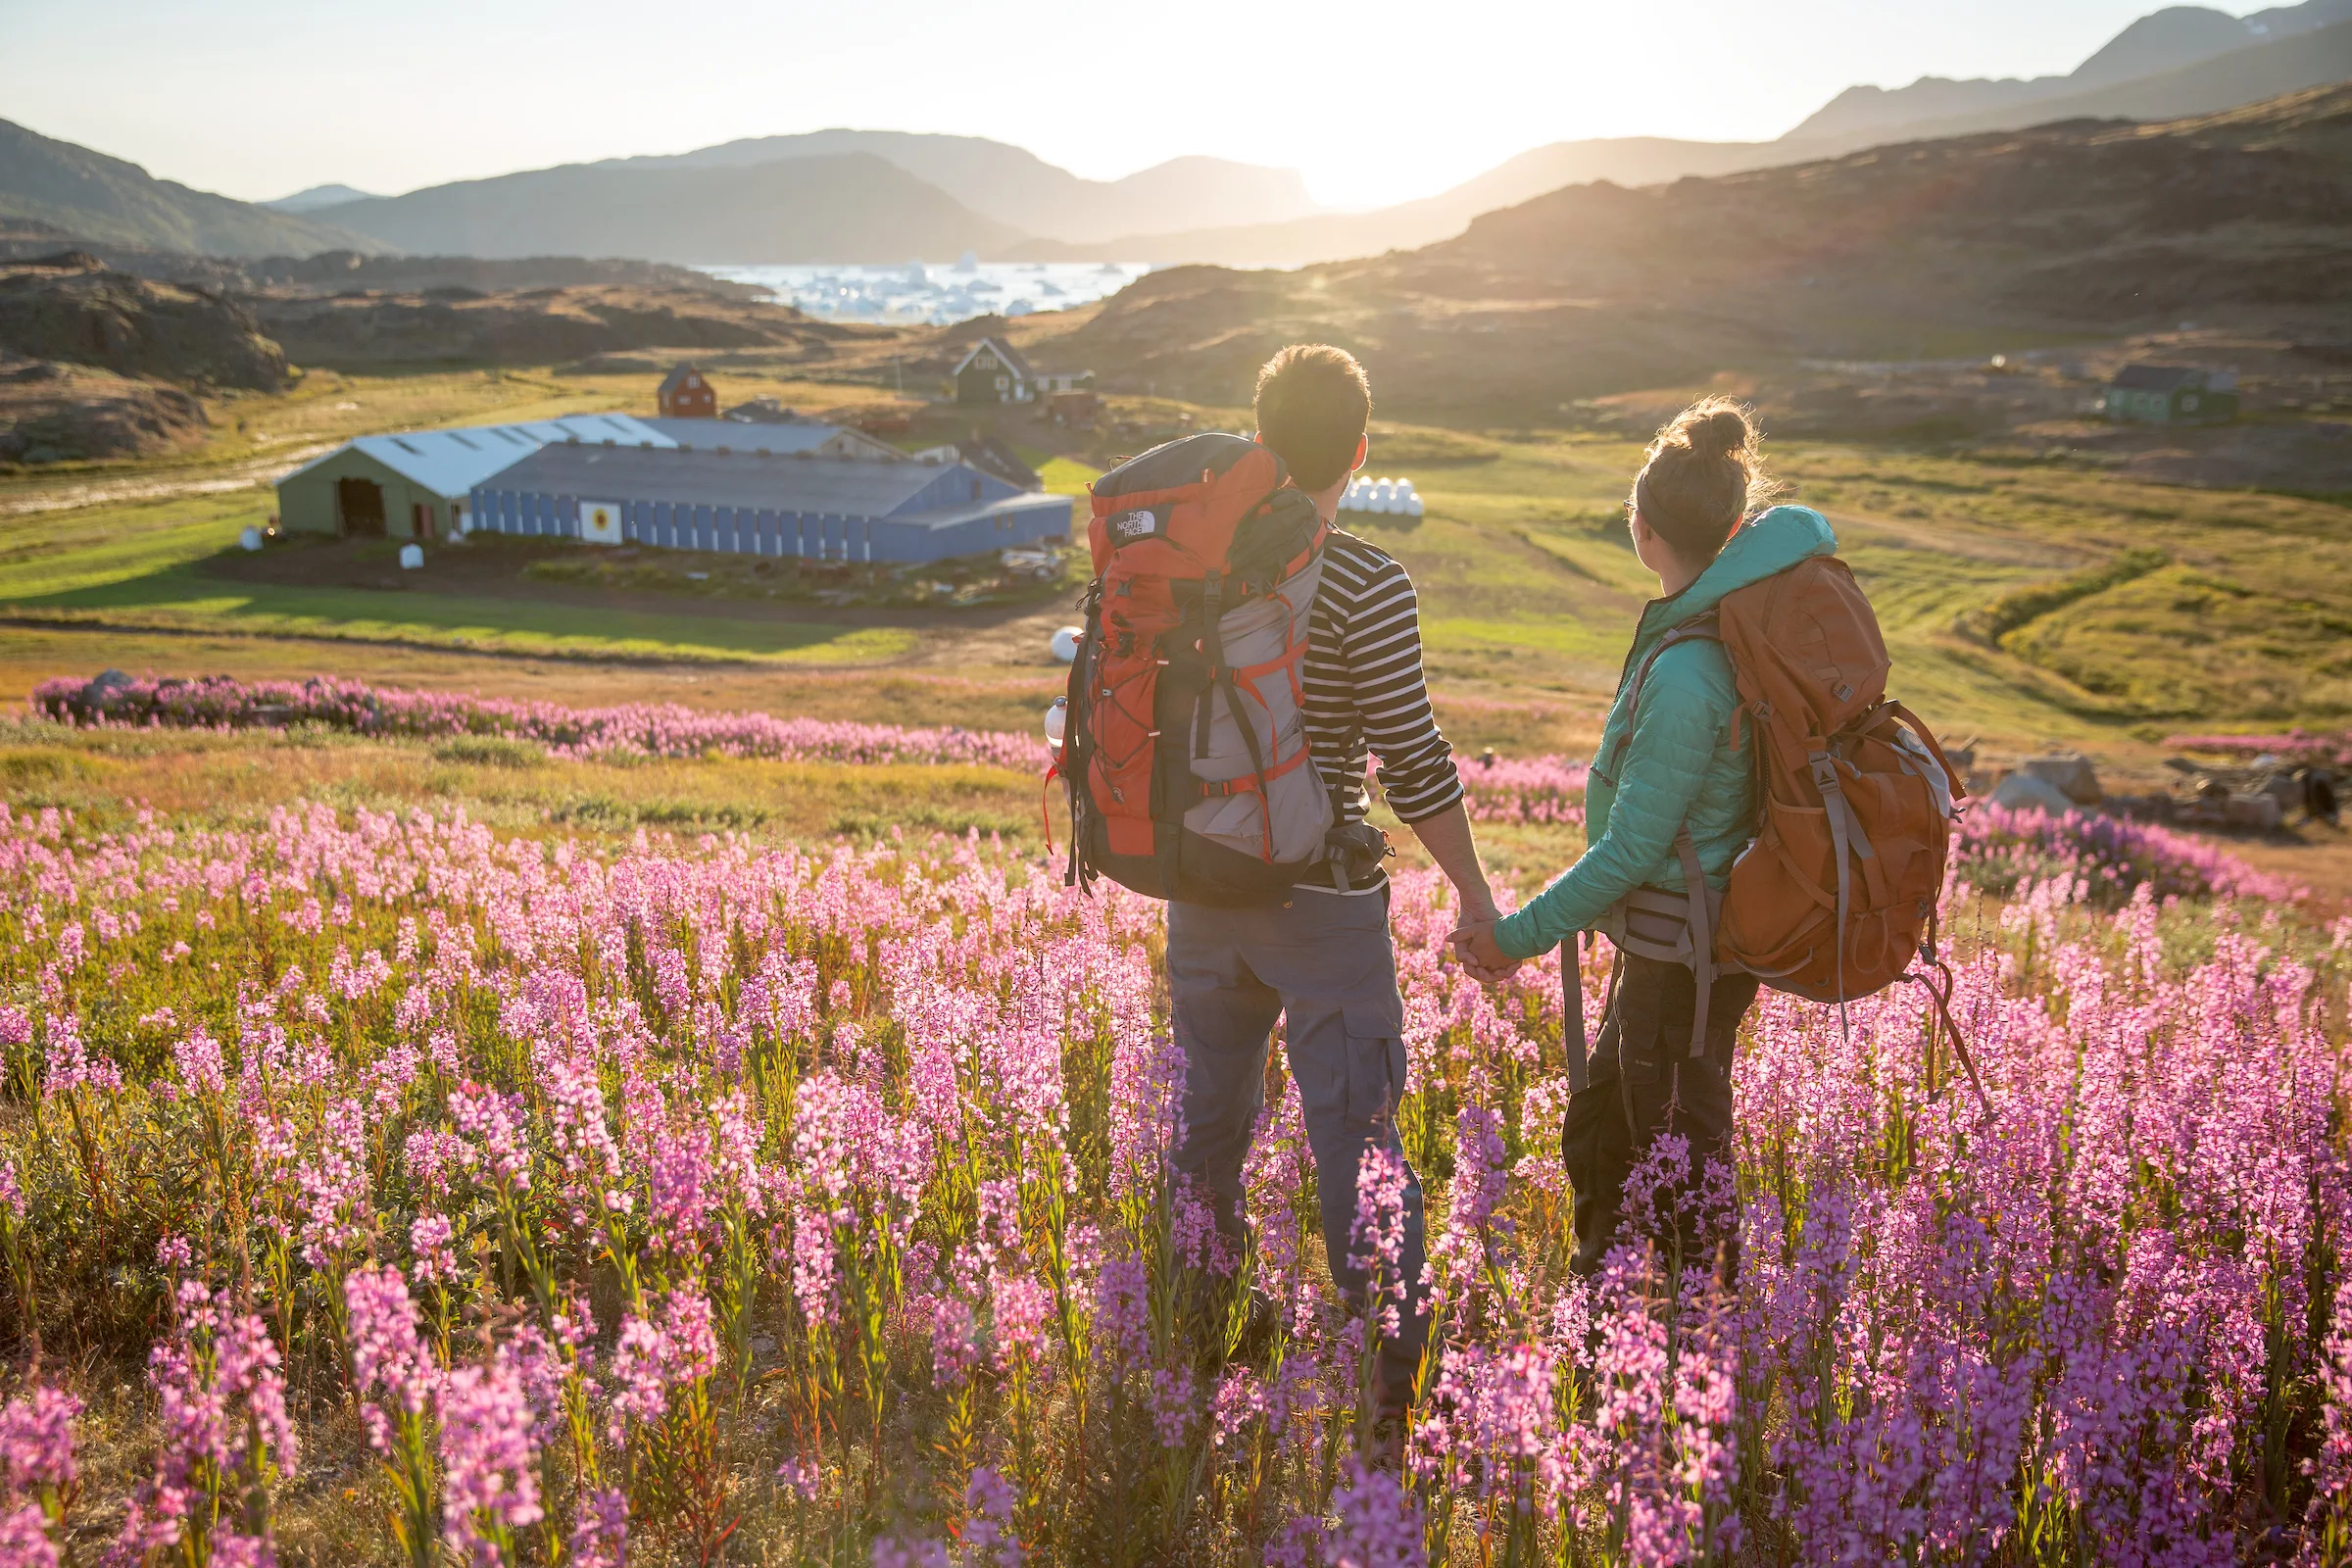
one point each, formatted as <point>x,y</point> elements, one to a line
<point>154,484</point>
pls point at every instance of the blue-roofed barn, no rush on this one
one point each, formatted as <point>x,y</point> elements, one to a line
<point>765,503</point>
<point>416,485</point>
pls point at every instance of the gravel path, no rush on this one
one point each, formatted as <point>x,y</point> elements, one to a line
<point>156,484</point>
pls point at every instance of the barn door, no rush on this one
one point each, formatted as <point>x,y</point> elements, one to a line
<point>360,505</point>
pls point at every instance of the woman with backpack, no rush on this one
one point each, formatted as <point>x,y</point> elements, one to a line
<point>1671,788</point>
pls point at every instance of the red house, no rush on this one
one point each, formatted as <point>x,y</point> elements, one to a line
<point>685,394</point>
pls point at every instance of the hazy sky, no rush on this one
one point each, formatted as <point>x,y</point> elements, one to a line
<point>1376,101</point>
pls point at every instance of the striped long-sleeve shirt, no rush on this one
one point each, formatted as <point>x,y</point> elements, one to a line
<point>1364,686</point>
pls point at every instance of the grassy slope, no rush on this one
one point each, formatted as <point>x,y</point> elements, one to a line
<point>1528,587</point>
<point>137,566</point>
<point>1527,580</point>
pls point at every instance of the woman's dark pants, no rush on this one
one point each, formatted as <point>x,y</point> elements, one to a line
<point>1644,1081</point>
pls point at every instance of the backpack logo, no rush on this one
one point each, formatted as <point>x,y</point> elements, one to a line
<point>1135,524</point>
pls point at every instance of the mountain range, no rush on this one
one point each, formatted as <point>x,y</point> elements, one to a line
<point>2308,46</point>
<point>2073,228</point>
<point>886,196</point>
<point>1019,189</point>
<point>94,197</point>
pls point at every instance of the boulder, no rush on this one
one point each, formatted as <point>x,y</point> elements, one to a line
<point>2020,792</point>
<point>2260,812</point>
<point>53,413</point>
<point>2071,774</point>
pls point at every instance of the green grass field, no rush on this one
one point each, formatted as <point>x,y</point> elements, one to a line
<point>139,567</point>
<point>2032,604</point>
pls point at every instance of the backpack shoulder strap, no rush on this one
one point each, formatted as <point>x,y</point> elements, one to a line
<point>1699,629</point>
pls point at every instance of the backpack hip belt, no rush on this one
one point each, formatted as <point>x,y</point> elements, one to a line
<point>1674,928</point>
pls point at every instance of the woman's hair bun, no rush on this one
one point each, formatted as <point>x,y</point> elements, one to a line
<point>1719,431</point>
<point>1701,474</point>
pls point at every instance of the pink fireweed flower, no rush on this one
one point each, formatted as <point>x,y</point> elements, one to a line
<point>600,1532</point>
<point>72,1066</point>
<point>897,1551</point>
<point>650,1360</point>
<point>1378,1236</point>
<point>1479,1176</point>
<point>955,1351</point>
<point>25,1541</point>
<point>225,1433</point>
<point>433,1241</point>
<point>803,1478</point>
<point>1239,1399</point>
<point>1174,1405</point>
<point>197,1057</point>
<point>388,1359</point>
<point>2331,1467</point>
<point>489,1458</point>
<point>987,1537</point>
<point>1377,1525</point>
<point>1021,1307</point>
<point>36,1443</point>
<point>1122,1310</point>
<point>682,1193</point>
<point>494,1122</point>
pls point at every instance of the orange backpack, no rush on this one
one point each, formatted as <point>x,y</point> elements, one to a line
<point>1185,752</point>
<point>1837,893</point>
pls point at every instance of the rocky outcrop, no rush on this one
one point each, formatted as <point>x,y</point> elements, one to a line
<point>2235,220</point>
<point>53,413</point>
<point>66,308</point>
<point>533,327</point>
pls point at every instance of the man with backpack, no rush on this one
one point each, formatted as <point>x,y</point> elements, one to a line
<point>1242,659</point>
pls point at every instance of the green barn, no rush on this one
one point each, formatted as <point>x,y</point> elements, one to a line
<point>2172,394</point>
<point>417,485</point>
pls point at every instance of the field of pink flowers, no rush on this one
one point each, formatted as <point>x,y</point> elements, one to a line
<point>375,1188</point>
<point>1535,790</point>
<point>2293,746</point>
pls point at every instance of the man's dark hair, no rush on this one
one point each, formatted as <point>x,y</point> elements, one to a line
<point>1312,405</point>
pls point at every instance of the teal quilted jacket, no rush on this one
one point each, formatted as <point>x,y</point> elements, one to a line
<point>1686,761</point>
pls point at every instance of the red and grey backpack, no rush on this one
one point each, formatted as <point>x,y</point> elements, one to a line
<point>1185,749</point>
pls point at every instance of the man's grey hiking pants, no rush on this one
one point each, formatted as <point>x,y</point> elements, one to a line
<point>1324,964</point>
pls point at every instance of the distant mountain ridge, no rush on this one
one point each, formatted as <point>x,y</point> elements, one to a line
<point>95,197</point>
<point>848,196</point>
<point>2160,43</point>
<point>848,207</point>
<point>2301,46</point>
<point>318,197</point>
<point>1019,189</point>
<point>1595,289</point>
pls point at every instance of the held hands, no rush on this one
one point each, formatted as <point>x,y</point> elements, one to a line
<point>1473,940</point>
<point>1474,944</point>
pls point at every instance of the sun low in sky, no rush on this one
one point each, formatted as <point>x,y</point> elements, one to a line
<point>1375,102</point>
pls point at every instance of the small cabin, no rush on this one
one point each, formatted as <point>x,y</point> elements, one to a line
<point>2172,394</point>
<point>685,394</point>
<point>993,371</point>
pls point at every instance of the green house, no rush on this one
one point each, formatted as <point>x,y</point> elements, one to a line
<point>417,485</point>
<point>2172,394</point>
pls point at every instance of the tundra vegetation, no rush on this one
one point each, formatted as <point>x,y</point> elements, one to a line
<point>391,1171</point>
